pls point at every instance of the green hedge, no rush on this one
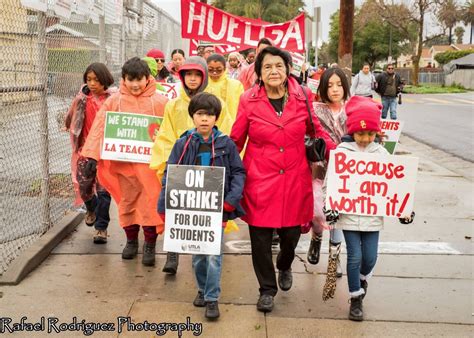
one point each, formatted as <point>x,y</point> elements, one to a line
<point>70,60</point>
<point>444,58</point>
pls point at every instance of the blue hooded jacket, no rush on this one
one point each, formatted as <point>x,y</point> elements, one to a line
<point>225,155</point>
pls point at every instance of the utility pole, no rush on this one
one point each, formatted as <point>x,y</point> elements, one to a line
<point>346,26</point>
<point>317,21</point>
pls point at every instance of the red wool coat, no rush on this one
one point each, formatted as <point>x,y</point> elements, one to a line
<point>278,189</point>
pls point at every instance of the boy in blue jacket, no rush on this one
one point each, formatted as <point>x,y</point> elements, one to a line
<point>205,145</point>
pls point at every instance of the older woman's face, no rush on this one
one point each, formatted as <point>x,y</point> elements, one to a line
<point>273,70</point>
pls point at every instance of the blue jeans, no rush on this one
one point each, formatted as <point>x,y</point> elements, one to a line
<point>207,270</point>
<point>361,256</point>
<point>389,102</point>
<point>100,203</point>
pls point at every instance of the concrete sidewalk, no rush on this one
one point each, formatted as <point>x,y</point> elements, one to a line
<point>423,283</point>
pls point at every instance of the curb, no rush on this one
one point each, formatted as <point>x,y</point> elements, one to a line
<point>40,250</point>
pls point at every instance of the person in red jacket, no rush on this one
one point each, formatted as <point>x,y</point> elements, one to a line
<point>273,118</point>
<point>248,76</point>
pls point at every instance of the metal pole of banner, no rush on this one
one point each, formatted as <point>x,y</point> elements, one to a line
<point>317,19</point>
<point>123,43</point>
<point>103,50</point>
<point>141,20</point>
<point>44,144</point>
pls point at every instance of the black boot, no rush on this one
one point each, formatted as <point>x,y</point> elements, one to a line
<point>314,250</point>
<point>131,249</point>
<point>171,265</point>
<point>355,312</point>
<point>148,258</point>
<point>285,279</point>
<point>212,310</point>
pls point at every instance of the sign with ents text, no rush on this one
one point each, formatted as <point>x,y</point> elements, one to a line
<point>392,130</point>
<point>194,206</point>
<point>371,184</point>
<point>129,137</point>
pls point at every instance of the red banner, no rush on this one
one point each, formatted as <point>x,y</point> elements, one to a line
<point>203,22</point>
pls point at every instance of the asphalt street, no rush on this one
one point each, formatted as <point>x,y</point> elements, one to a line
<point>443,121</point>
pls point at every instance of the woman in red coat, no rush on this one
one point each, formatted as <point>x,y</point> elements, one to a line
<point>278,191</point>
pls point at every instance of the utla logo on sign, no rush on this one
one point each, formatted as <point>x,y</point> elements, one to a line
<point>371,184</point>
<point>129,137</point>
<point>392,130</point>
<point>194,206</point>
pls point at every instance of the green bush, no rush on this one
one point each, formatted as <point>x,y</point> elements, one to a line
<point>69,60</point>
<point>444,58</point>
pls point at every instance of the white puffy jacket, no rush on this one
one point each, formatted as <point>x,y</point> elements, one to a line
<point>356,222</point>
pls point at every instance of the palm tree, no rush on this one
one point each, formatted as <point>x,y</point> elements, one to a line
<point>467,15</point>
<point>448,14</point>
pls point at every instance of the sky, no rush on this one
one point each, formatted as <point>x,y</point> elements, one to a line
<point>327,8</point>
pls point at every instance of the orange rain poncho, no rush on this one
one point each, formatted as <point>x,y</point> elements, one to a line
<point>133,186</point>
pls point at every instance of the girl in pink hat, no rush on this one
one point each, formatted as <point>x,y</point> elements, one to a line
<point>361,233</point>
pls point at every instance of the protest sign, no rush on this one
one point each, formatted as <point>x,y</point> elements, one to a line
<point>371,184</point>
<point>392,130</point>
<point>170,90</point>
<point>298,61</point>
<point>204,22</point>
<point>194,205</point>
<point>129,137</point>
<point>312,85</point>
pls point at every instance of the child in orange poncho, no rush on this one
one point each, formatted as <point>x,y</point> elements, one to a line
<point>133,186</point>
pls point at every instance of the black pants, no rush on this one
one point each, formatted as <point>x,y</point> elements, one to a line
<point>261,241</point>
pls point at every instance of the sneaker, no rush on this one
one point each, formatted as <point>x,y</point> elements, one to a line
<point>265,303</point>
<point>199,300</point>
<point>90,218</point>
<point>131,249</point>
<point>285,279</point>
<point>314,250</point>
<point>356,313</point>
<point>172,261</point>
<point>148,258</point>
<point>212,310</point>
<point>364,285</point>
<point>100,237</point>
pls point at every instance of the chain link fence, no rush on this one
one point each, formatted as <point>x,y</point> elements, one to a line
<point>435,76</point>
<point>45,47</point>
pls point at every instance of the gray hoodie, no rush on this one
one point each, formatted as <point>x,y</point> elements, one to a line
<point>194,63</point>
<point>362,84</point>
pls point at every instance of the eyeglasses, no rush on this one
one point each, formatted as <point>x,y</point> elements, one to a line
<point>216,70</point>
<point>160,60</point>
<point>209,51</point>
<point>390,68</point>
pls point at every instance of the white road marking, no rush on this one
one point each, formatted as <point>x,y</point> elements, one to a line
<point>437,100</point>
<point>433,248</point>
